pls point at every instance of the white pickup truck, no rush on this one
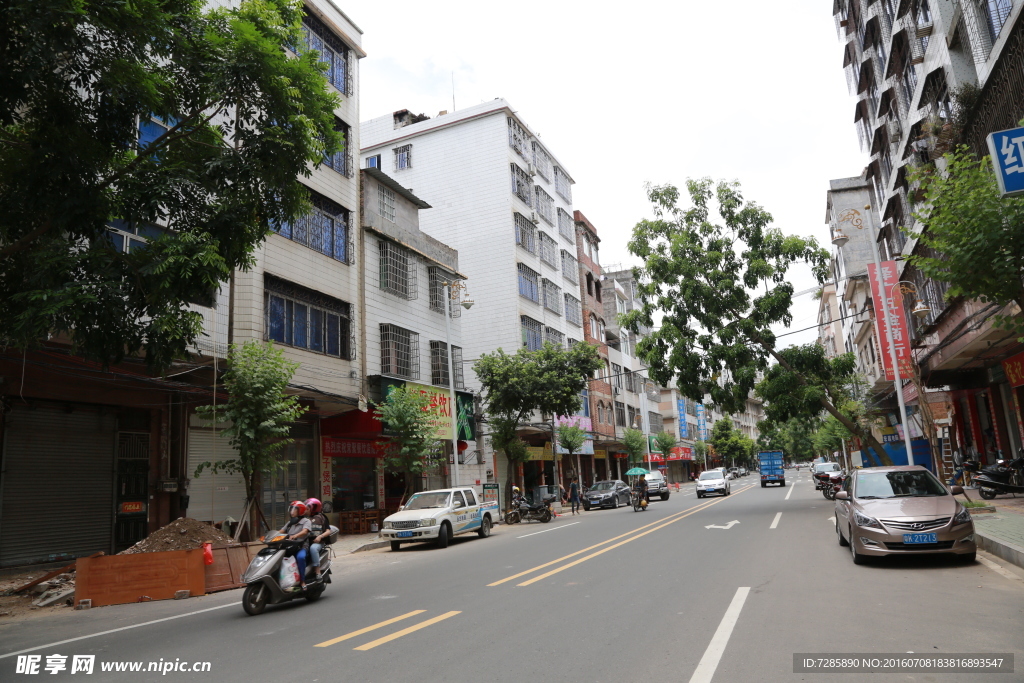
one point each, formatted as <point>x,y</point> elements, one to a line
<point>438,516</point>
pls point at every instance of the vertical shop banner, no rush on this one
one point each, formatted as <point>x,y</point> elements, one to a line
<point>1014,369</point>
<point>684,430</point>
<point>886,285</point>
<point>326,472</point>
<point>702,424</point>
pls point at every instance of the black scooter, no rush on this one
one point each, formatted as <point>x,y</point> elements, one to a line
<point>1002,477</point>
<point>524,511</point>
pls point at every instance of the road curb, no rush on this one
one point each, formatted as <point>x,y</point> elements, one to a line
<point>373,545</point>
<point>1007,551</point>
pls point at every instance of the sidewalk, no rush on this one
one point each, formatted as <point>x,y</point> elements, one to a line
<point>1002,533</point>
<point>358,542</point>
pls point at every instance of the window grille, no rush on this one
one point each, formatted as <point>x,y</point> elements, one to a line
<point>631,417</point>
<point>552,297</point>
<point>306,319</point>
<point>570,267</point>
<point>570,342</point>
<point>554,336</point>
<point>403,157</point>
<point>386,202</point>
<point>333,52</point>
<point>541,162</point>
<point>531,333</point>
<point>655,422</point>
<point>341,161</point>
<point>324,229</point>
<point>545,205</point>
<point>562,185</point>
<point>437,277</point>
<point>620,414</point>
<point>522,186</point>
<point>617,375</point>
<point>439,364</point>
<point>630,381</point>
<point>548,250</point>
<point>399,352</point>
<point>996,14</point>
<point>573,311</point>
<point>517,138</point>
<point>566,225</point>
<point>526,233</point>
<point>528,280</point>
<point>397,270</point>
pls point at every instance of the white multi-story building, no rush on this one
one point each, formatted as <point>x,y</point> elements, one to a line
<point>503,199</point>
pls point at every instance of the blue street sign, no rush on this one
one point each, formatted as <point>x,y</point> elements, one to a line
<point>1007,150</point>
<point>684,430</point>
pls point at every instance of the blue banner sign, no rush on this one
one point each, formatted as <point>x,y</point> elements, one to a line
<point>1007,150</point>
<point>702,424</point>
<point>684,430</point>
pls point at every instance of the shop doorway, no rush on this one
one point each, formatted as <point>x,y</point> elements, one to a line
<point>296,480</point>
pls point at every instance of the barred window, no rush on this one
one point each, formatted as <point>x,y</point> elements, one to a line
<point>541,162</point>
<point>397,270</point>
<point>573,311</point>
<point>517,138</point>
<point>566,225</point>
<point>570,267</point>
<point>399,352</point>
<point>630,378</point>
<point>545,205</point>
<point>617,375</point>
<point>548,250</point>
<point>631,416</point>
<point>654,422</point>
<point>305,319</point>
<point>563,185</point>
<point>403,157</point>
<point>386,202</point>
<point>528,283</point>
<point>526,233</point>
<point>333,52</point>
<point>439,364</point>
<point>436,278</point>
<point>522,186</point>
<point>324,229</point>
<point>341,161</point>
<point>554,337</point>
<point>620,414</point>
<point>531,333</point>
<point>552,297</point>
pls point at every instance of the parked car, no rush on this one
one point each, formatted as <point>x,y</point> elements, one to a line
<point>657,485</point>
<point>610,493</point>
<point>744,471</point>
<point>735,472</point>
<point>902,510</point>
<point>438,516</point>
<point>713,481</point>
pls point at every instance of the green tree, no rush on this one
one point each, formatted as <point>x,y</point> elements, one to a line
<point>719,287</point>
<point>635,443</point>
<point>978,235</point>
<point>571,438</point>
<point>700,453</point>
<point>185,124</point>
<point>514,386</point>
<point>258,415</point>
<point>665,441</point>
<point>793,436</point>
<point>729,442</point>
<point>411,446</point>
<point>806,379</point>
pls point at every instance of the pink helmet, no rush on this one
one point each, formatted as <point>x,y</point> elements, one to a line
<point>314,505</point>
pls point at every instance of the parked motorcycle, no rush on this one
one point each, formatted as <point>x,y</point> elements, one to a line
<point>523,511</point>
<point>263,575</point>
<point>1003,477</point>
<point>834,485</point>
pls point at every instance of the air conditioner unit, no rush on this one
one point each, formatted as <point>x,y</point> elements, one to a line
<point>616,391</point>
<point>532,169</point>
<point>533,217</point>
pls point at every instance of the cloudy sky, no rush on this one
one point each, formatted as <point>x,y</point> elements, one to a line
<point>656,92</point>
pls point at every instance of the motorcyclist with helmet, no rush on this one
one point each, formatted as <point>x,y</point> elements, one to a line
<point>298,529</point>
<point>320,529</point>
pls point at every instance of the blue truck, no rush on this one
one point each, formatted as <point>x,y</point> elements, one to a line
<point>771,468</point>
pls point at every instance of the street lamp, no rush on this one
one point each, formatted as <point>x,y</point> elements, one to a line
<point>839,239</point>
<point>452,292</point>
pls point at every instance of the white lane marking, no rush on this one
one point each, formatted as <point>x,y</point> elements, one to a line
<point>115,630</point>
<point>999,569</point>
<point>709,662</point>
<point>727,526</point>
<point>775,522</point>
<point>547,530</point>
<point>791,489</point>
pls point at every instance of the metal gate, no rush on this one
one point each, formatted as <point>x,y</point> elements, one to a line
<point>57,482</point>
<point>132,489</point>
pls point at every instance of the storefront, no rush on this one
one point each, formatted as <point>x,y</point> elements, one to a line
<point>676,466</point>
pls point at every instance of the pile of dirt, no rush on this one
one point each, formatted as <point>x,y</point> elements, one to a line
<point>29,601</point>
<point>181,534</point>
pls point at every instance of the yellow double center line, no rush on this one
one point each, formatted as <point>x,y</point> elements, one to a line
<point>633,535</point>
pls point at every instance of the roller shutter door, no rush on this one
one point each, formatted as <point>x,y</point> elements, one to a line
<point>58,466</point>
<point>213,497</point>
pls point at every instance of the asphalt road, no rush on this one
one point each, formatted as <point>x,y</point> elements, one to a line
<point>609,595</point>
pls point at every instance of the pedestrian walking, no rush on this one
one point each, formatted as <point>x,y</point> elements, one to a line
<point>574,495</point>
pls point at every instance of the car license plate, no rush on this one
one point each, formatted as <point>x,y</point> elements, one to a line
<point>408,534</point>
<point>920,538</point>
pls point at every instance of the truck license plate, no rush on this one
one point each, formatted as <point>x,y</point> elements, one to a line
<point>404,534</point>
<point>920,538</point>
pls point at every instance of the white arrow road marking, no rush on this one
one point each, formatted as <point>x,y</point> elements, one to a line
<point>775,522</point>
<point>727,526</point>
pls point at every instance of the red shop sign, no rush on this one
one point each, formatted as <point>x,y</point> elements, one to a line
<point>1014,369</point>
<point>350,448</point>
